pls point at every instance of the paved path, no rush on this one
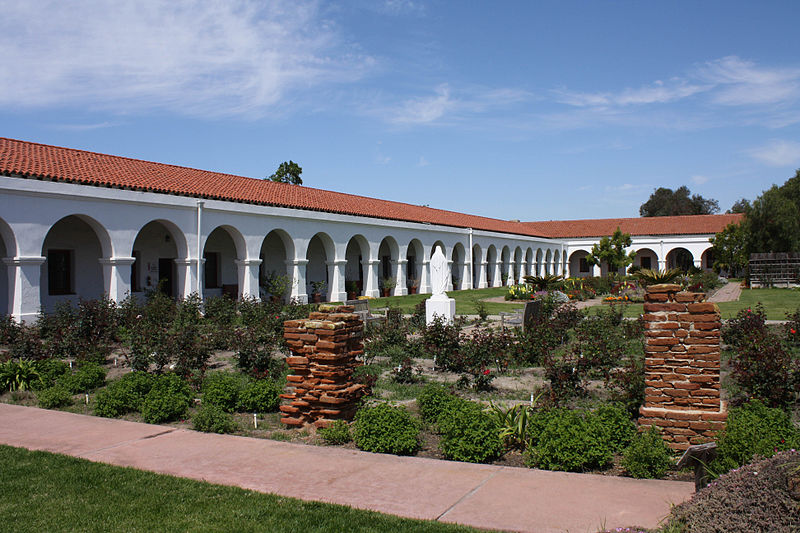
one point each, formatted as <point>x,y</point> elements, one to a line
<point>483,496</point>
<point>728,293</point>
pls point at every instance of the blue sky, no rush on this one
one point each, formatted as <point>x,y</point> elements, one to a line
<point>517,110</point>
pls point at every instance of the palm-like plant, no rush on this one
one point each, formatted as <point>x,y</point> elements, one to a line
<point>545,282</point>
<point>648,276</point>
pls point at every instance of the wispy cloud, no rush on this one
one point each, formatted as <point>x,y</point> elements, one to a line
<point>423,162</point>
<point>447,104</point>
<point>83,127</point>
<point>741,82</point>
<point>778,153</point>
<point>657,93</point>
<point>220,58</point>
<point>699,179</point>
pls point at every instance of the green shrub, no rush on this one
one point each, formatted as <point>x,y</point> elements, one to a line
<point>432,400</point>
<point>54,397</point>
<point>753,429</point>
<point>222,389</point>
<point>647,456</point>
<point>167,400</point>
<point>123,395</point>
<point>386,428</point>
<point>537,421</point>
<point>574,441</point>
<point>468,433</point>
<point>50,371</point>
<point>337,433</point>
<point>19,375</point>
<point>260,396</point>
<point>88,376</point>
<point>618,426</point>
<point>212,418</point>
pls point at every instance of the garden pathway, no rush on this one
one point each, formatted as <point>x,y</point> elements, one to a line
<point>483,496</point>
<point>728,293</point>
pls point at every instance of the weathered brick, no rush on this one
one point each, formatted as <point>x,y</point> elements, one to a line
<point>652,307</point>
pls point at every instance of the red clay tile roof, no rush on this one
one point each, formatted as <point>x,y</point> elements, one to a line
<point>40,161</point>
<point>678,225</point>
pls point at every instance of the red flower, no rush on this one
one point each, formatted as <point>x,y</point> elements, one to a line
<point>792,331</point>
<point>486,372</point>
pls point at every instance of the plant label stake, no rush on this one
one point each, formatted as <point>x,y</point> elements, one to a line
<point>531,399</point>
<point>87,398</point>
<point>255,420</point>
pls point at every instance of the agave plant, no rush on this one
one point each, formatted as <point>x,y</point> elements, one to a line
<point>545,282</point>
<point>648,276</point>
<point>512,422</point>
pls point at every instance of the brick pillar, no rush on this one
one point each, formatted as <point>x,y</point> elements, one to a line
<point>682,352</point>
<point>324,349</point>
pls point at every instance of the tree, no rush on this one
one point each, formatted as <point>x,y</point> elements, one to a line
<point>288,172</point>
<point>772,223</point>
<point>729,249</point>
<point>666,202</point>
<point>611,250</point>
<point>739,206</point>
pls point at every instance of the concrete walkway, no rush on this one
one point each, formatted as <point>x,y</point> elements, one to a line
<point>729,293</point>
<point>483,496</point>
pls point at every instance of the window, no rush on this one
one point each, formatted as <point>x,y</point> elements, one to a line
<point>645,262</point>
<point>584,266</point>
<point>212,270</point>
<point>59,272</point>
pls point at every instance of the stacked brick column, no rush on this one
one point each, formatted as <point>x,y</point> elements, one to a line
<point>324,349</point>
<point>682,352</point>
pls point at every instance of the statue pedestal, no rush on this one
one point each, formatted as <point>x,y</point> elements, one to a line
<point>440,305</point>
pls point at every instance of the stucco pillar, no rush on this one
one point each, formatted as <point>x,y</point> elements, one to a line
<point>662,264</point>
<point>116,277</point>
<point>595,270</point>
<point>449,286</point>
<point>248,278</point>
<point>497,280</point>
<point>510,277</point>
<point>425,278</point>
<point>399,268</point>
<point>466,276</point>
<point>336,271</point>
<point>482,282</point>
<point>298,275</point>
<point>186,282</point>
<point>522,273</point>
<point>698,263</point>
<point>24,287</point>
<point>371,270</point>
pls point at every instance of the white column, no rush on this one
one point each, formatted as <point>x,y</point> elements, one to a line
<point>186,281</point>
<point>662,264</point>
<point>117,277</point>
<point>399,268</point>
<point>595,270</point>
<point>336,270</point>
<point>466,276</point>
<point>371,271</point>
<point>498,275</point>
<point>248,278</point>
<point>510,277</point>
<point>522,272</point>
<point>449,286</point>
<point>698,263</point>
<point>24,287</point>
<point>298,275</point>
<point>482,282</point>
<point>425,278</point>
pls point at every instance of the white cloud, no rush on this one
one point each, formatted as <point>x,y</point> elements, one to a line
<point>741,82</point>
<point>778,153</point>
<point>699,180</point>
<point>423,162</point>
<point>220,57</point>
<point>657,93</point>
<point>425,109</point>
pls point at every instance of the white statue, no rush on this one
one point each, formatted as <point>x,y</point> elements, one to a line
<point>439,272</point>
<point>439,304</point>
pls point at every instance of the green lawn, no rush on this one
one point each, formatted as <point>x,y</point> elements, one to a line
<point>41,491</point>
<point>465,301</point>
<point>777,302</point>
